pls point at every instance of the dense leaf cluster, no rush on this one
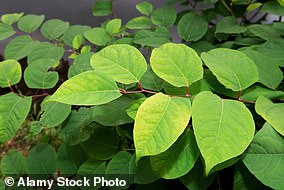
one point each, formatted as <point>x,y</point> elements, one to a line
<point>130,101</point>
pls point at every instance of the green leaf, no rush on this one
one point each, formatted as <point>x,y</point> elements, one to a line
<point>133,107</point>
<point>201,46</point>
<point>179,159</point>
<point>37,75</point>
<point>158,117</point>
<point>103,144</point>
<point>80,64</point>
<point>6,31</point>
<point>102,8</point>
<point>217,128</point>
<point>229,25</point>
<point>279,26</point>
<point>144,8</point>
<point>151,81</point>
<point>113,26</point>
<point>19,47</point>
<point>45,50</point>
<point>234,69</point>
<point>195,179</point>
<point>75,128</point>
<point>121,164</point>
<point>254,92</point>
<point>272,7</point>
<point>113,113</point>
<point>86,49</point>
<point>143,171</point>
<point>42,160</point>
<point>124,63</point>
<point>151,39</point>
<point>70,158</point>
<point>216,86</point>
<point>123,40</point>
<point>97,36</point>
<point>11,18</point>
<point>92,167</point>
<point>13,112</point>
<point>72,31</point>
<point>272,49</point>
<point>54,28</point>
<point>88,88</point>
<point>192,27</point>
<point>269,73</point>
<point>54,113</point>
<point>248,41</point>
<point>177,64</point>
<point>244,180</point>
<point>11,73</point>
<point>272,113</point>
<point>253,6</point>
<point>164,16</point>
<point>35,128</point>
<point>265,32</point>
<point>29,23</point>
<point>78,41</point>
<point>264,157</point>
<point>141,22</point>
<point>13,163</point>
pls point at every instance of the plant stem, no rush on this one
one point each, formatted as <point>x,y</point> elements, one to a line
<point>187,91</point>
<point>228,8</point>
<point>239,95</point>
<point>11,89</point>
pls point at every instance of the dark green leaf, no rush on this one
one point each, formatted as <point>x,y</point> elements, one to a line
<point>179,159</point>
<point>264,157</point>
<point>192,27</point>
<point>164,16</point>
<point>102,8</point>
<point>13,163</point>
<point>42,160</point>
<point>103,144</point>
<point>113,113</point>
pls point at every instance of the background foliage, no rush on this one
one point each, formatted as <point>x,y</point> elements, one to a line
<point>203,112</point>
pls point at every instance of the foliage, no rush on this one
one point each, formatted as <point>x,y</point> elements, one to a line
<point>129,100</point>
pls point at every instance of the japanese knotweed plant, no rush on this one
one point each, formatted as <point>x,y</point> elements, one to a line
<point>125,99</point>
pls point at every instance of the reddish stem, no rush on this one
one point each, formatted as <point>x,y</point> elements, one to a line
<point>40,95</point>
<point>11,89</point>
<point>187,91</point>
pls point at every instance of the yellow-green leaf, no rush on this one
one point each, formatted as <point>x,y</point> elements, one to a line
<point>177,64</point>
<point>87,88</point>
<point>159,122</point>
<point>10,73</point>
<point>223,128</point>
<point>272,113</point>
<point>124,63</point>
<point>234,69</point>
